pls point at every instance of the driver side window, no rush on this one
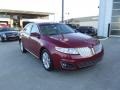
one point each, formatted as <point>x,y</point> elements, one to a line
<point>28,28</point>
<point>35,29</point>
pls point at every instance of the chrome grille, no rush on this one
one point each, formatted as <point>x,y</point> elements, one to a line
<point>86,52</point>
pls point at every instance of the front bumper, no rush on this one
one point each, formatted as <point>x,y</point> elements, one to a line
<point>11,38</point>
<point>79,64</point>
<point>71,62</point>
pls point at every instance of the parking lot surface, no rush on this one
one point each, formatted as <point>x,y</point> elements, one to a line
<point>24,72</point>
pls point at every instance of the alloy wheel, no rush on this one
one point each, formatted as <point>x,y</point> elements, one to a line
<point>0,39</point>
<point>46,60</point>
<point>21,46</point>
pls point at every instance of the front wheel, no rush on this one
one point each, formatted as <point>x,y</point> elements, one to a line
<point>46,60</point>
<point>23,50</point>
<point>1,39</point>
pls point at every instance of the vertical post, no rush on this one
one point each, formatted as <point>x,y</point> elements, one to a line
<point>62,11</point>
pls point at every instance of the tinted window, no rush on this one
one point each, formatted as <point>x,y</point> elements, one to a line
<point>55,29</point>
<point>3,29</point>
<point>116,0</point>
<point>35,29</point>
<point>64,29</point>
<point>6,29</point>
<point>72,26</point>
<point>115,26</point>
<point>116,12</point>
<point>116,6</point>
<point>115,32</point>
<point>28,28</point>
<point>115,19</point>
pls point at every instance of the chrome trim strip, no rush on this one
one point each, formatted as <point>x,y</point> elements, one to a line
<point>32,54</point>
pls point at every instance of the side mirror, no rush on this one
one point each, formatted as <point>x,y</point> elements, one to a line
<point>76,30</point>
<point>37,35</point>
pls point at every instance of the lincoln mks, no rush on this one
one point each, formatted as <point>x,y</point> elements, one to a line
<point>60,47</point>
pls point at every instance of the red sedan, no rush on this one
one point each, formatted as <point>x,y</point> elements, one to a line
<point>59,46</point>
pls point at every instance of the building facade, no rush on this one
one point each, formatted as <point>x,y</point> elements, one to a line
<point>84,21</point>
<point>109,18</point>
<point>16,18</point>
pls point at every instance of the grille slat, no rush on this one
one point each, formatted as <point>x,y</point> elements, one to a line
<point>85,52</point>
<point>88,52</point>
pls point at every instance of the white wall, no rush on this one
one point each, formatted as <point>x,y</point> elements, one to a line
<point>4,19</point>
<point>90,23</point>
<point>52,17</point>
<point>105,13</point>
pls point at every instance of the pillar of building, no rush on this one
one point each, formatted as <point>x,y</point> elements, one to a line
<point>105,14</point>
<point>21,22</point>
<point>11,21</point>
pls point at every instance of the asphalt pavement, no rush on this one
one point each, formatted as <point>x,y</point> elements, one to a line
<point>24,72</point>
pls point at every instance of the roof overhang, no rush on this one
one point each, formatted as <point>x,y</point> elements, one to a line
<point>24,13</point>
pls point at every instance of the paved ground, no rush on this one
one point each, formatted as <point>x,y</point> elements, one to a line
<point>24,72</point>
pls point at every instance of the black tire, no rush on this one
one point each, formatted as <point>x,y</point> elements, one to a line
<point>50,62</point>
<point>1,39</point>
<point>23,50</point>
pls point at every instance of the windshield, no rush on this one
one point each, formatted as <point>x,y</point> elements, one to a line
<point>7,29</point>
<point>55,29</point>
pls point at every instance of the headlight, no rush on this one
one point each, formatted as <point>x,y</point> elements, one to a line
<point>84,51</point>
<point>4,35</point>
<point>67,50</point>
<point>98,48</point>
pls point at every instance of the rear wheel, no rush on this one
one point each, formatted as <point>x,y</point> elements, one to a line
<point>23,50</point>
<point>46,60</point>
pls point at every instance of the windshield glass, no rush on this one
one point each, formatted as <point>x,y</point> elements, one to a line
<point>55,29</point>
<point>7,29</point>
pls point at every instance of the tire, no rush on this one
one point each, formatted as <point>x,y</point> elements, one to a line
<point>1,39</point>
<point>46,60</point>
<point>23,50</point>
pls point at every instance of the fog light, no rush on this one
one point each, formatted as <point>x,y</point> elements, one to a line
<point>66,65</point>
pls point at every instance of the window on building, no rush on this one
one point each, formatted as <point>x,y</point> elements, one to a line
<point>115,26</point>
<point>116,13</point>
<point>116,5</point>
<point>116,0</point>
<point>115,19</point>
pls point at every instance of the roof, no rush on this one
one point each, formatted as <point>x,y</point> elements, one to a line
<point>21,12</point>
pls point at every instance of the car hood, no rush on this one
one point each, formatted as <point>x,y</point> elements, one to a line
<point>72,40</point>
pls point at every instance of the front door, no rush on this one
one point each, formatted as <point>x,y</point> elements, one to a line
<point>34,41</point>
<point>26,36</point>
